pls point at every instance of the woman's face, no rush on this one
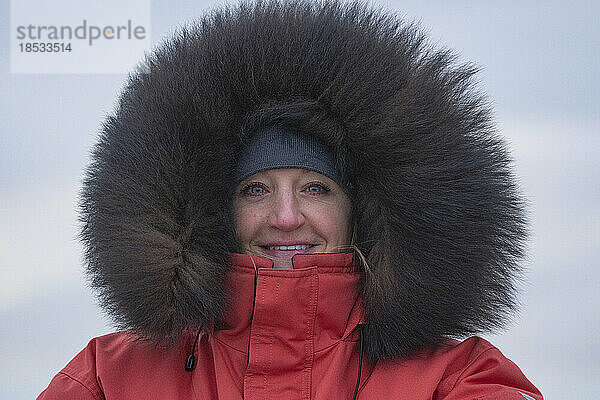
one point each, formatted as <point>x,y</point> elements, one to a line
<point>282,212</point>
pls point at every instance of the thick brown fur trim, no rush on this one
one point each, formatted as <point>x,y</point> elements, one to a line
<point>438,215</point>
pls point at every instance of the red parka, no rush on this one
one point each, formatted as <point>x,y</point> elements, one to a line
<point>287,334</point>
<point>437,219</point>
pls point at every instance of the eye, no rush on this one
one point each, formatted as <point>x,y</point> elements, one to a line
<point>253,189</point>
<point>317,188</point>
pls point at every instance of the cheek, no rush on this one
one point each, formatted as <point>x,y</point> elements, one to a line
<point>246,224</point>
<point>333,225</point>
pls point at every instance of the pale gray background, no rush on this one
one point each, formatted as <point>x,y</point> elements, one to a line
<point>540,67</point>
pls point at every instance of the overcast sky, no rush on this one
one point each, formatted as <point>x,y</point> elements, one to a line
<point>540,66</point>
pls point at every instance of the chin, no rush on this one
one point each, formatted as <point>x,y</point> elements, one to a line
<point>283,263</point>
<point>282,259</point>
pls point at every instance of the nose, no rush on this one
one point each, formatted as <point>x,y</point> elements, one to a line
<point>285,211</point>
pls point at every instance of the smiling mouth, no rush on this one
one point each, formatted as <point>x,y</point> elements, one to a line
<point>289,248</point>
<point>287,251</point>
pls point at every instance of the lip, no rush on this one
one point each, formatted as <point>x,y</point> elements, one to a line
<point>287,243</point>
<point>287,253</point>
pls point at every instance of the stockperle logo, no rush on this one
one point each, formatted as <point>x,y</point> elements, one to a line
<point>85,31</point>
<point>74,36</point>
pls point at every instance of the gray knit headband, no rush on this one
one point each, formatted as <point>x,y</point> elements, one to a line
<point>275,147</point>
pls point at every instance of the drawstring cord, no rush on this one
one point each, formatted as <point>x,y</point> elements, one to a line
<point>190,364</point>
<point>360,357</point>
<point>253,305</point>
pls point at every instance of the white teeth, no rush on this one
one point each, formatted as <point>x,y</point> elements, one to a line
<point>292,247</point>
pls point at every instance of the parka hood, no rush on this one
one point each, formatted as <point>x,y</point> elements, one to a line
<point>438,216</point>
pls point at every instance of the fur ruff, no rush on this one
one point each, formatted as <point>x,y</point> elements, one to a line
<point>438,215</point>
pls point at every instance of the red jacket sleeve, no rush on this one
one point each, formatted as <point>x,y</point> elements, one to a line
<point>77,381</point>
<point>64,387</point>
<point>488,376</point>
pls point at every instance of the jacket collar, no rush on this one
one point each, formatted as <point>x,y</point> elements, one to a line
<point>318,301</point>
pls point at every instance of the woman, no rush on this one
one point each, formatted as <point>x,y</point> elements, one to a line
<point>299,200</point>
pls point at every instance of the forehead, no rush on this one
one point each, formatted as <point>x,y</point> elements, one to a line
<point>287,174</point>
